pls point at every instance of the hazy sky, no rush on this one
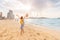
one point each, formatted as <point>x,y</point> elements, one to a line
<point>37,8</point>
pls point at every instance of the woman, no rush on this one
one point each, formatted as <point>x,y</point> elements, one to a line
<point>22,23</point>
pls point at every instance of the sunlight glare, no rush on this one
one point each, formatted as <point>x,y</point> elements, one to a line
<point>26,8</point>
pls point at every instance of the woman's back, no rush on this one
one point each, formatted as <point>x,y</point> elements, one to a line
<point>21,20</point>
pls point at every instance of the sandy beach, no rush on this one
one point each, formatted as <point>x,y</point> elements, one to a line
<point>10,30</point>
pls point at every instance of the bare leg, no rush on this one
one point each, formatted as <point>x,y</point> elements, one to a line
<point>22,31</point>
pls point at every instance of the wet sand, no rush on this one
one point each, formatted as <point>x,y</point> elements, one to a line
<point>10,30</point>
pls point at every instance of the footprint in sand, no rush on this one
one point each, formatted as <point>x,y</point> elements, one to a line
<point>38,33</point>
<point>30,35</point>
<point>28,39</point>
<point>35,39</point>
<point>2,33</point>
<point>44,39</point>
<point>10,37</point>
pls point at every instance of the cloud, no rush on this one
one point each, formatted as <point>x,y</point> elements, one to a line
<point>56,3</point>
<point>16,4</point>
<point>47,6</point>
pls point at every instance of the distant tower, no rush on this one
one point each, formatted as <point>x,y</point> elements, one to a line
<point>0,15</point>
<point>10,15</point>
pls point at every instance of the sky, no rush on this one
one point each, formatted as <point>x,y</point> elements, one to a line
<point>35,8</point>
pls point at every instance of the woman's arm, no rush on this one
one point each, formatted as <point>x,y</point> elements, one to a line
<point>18,16</point>
<point>26,16</point>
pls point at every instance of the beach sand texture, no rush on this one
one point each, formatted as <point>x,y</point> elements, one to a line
<point>10,30</point>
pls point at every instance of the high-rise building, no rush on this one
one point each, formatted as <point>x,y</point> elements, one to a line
<point>10,15</point>
<point>0,15</point>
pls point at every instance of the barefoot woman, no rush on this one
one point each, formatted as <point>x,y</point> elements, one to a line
<point>22,23</point>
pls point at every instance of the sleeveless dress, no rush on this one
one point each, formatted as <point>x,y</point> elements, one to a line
<point>22,23</point>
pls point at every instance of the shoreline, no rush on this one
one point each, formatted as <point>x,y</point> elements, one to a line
<point>11,31</point>
<point>54,33</point>
<point>48,27</point>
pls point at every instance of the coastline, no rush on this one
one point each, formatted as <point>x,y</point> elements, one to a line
<point>10,30</point>
<point>44,29</point>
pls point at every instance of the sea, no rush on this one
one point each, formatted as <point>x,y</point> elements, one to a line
<point>51,23</point>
